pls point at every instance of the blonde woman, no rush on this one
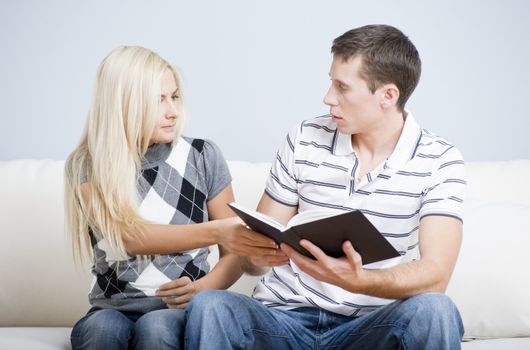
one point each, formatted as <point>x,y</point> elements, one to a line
<point>146,203</point>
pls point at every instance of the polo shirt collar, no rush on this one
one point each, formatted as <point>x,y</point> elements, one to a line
<point>407,143</point>
<point>405,148</point>
<point>342,145</point>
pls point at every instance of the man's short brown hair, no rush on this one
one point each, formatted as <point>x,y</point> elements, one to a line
<point>387,56</point>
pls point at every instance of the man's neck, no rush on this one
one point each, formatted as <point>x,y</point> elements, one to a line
<point>377,144</point>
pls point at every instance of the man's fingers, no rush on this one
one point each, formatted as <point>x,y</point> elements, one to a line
<point>313,249</point>
<point>293,254</point>
<point>353,257</point>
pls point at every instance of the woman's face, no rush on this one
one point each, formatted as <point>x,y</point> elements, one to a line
<point>168,110</point>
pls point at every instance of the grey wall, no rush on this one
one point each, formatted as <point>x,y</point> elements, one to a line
<point>253,69</point>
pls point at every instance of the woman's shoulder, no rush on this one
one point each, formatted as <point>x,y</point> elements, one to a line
<point>201,146</point>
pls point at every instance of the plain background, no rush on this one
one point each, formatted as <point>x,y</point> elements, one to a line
<point>254,69</point>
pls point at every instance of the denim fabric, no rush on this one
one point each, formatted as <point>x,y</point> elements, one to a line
<point>111,329</point>
<point>226,320</point>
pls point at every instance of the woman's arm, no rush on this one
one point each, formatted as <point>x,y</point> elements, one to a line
<point>177,293</point>
<point>228,270</point>
<point>229,232</point>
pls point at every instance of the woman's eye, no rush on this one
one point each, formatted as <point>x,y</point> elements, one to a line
<point>175,97</point>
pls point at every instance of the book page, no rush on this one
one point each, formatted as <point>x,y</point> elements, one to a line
<point>260,216</point>
<point>312,215</point>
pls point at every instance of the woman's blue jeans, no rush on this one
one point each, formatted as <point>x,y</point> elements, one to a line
<point>225,320</point>
<point>111,329</point>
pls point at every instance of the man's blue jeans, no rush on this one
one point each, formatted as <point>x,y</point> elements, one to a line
<point>110,329</point>
<point>225,320</point>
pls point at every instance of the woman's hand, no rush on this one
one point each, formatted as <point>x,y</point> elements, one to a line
<point>177,293</point>
<point>278,259</point>
<point>235,237</point>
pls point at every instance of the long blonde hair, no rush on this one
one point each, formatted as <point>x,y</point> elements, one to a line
<point>123,115</point>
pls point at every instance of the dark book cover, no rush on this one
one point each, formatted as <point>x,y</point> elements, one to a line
<point>328,233</point>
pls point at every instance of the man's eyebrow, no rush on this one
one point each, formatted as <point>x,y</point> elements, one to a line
<point>341,82</point>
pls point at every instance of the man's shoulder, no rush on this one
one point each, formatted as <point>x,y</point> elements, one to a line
<point>316,129</point>
<point>318,133</point>
<point>433,146</point>
<point>323,123</point>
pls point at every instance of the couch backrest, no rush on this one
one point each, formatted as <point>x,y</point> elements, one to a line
<point>39,283</point>
<point>491,281</point>
<point>40,286</point>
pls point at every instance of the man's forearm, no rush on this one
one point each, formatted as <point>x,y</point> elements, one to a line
<point>402,281</point>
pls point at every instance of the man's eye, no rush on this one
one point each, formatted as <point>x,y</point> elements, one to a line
<point>342,87</point>
<point>175,97</point>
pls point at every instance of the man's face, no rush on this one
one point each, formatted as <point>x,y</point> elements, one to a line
<point>353,107</point>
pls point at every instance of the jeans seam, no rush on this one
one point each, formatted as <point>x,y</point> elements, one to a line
<point>404,342</point>
<point>382,325</point>
<point>265,332</point>
<point>395,325</point>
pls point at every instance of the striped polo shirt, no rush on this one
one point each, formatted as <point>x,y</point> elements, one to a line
<point>317,168</point>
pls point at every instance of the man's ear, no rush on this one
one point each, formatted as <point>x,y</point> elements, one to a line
<point>389,95</point>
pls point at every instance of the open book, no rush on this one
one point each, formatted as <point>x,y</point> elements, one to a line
<point>325,229</point>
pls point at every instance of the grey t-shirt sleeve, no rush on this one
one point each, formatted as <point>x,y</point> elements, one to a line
<point>84,174</point>
<point>217,174</point>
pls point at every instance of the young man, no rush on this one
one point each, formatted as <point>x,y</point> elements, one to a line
<point>368,154</point>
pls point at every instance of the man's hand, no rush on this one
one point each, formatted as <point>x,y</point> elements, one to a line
<point>177,293</point>
<point>238,239</point>
<point>346,272</point>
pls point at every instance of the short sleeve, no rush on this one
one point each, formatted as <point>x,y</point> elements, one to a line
<point>84,174</point>
<point>446,189</point>
<point>217,174</point>
<point>281,184</point>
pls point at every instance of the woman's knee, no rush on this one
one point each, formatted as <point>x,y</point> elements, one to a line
<point>166,320</point>
<point>102,328</point>
<point>106,321</point>
<point>160,329</point>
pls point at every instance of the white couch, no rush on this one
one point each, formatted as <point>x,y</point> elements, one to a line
<point>42,293</point>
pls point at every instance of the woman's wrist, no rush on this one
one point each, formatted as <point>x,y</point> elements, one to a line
<point>212,232</point>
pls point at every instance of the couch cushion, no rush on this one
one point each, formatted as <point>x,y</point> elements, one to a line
<point>34,338</point>
<point>490,284</point>
<point>498,344</point>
